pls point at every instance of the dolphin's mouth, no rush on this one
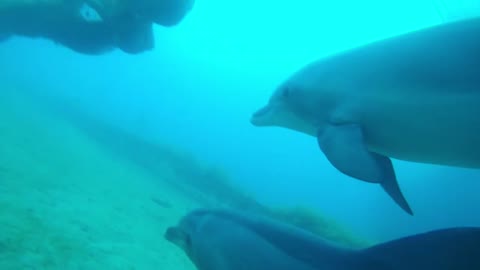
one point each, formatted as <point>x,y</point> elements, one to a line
<point>257,117</point>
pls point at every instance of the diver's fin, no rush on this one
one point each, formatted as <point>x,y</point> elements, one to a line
<point>446,249</point>
<point>344,147</point>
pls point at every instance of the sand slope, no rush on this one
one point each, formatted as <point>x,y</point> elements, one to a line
<point>77,193</point>
<point>66,203</point>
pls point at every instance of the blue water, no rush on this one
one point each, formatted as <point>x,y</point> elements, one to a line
<point>207,75</point>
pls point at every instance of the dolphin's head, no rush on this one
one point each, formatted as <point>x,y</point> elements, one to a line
<point>204,235</point>
<point>295,105</point>
<point>183,234</point>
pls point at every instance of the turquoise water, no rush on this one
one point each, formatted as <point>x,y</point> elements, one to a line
<point>196,92</point>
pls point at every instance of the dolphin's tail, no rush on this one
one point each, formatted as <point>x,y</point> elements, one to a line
<point>447,249</point>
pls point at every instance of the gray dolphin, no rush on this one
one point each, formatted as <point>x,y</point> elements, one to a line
<point>413,97</point>
<point>228,240</point>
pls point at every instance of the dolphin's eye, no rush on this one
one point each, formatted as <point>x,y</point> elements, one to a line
<point>286,92</point>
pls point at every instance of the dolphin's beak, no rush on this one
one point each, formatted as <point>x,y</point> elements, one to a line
<point>176,236</point>
<point>172,234</point>
<point>260,118</point>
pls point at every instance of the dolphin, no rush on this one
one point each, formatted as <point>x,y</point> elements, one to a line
<point>86,27</point>
<point>413,97</point>
<point>220,239</point>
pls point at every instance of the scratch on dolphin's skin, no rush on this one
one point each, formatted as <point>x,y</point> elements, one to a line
<point>413,97</point>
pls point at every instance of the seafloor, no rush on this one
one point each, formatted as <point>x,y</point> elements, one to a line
<point>77,194</point>
<point>66,203</point>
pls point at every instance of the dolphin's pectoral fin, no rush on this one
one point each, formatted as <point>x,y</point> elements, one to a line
<point>344,147</point>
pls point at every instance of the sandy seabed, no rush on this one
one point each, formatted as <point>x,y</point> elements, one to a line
<point>66,203</point>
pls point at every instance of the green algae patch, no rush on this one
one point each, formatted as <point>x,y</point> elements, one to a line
<point>312,221</point>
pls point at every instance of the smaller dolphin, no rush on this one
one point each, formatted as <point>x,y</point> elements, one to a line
<point>228,240</point>
<point>413,97</point>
